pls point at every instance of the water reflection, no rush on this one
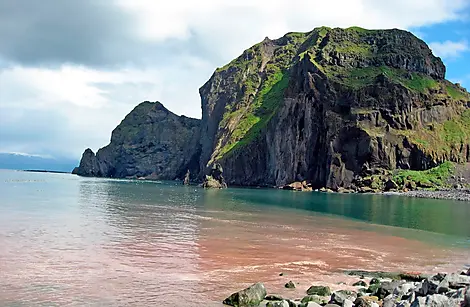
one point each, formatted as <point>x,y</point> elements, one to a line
<point>96,242</point>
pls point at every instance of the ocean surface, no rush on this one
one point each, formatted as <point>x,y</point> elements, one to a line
<point>71,241</point>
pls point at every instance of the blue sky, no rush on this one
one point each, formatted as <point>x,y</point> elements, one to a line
<point>451,41</point>
<point>71,70</point>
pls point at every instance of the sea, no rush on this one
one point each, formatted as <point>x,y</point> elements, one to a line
<point>72,241</point>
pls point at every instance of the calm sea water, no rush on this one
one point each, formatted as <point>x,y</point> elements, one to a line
<point>71,241</point>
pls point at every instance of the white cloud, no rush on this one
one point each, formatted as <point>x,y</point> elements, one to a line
<point>88,103</point>
<point>449,49</point>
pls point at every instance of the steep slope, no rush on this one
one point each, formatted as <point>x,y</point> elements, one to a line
<point>331,106</point>
<point>150,142</point>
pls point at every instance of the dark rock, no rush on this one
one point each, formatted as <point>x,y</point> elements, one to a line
<point>273,297</point>
<point>215,180</point>
<point>391,185</point>
<point>365,301</point>
<point>290,285</point>
<point>404,290</point>
<point>319,290</point>
<point>151,142</point>
<point>314,298</point>
<point>387,288</point>
<point>251,296</point>
<point>374,281</point>
<point>360,283</point>
<point>187,178</point>
<point>89,165</point>
<point>338,297</point>
<point>282,303</point>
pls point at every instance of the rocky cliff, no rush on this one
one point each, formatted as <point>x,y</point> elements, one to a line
<point>330,106</point>
<point>150,142</point>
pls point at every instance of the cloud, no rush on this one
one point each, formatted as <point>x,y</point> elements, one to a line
<point>71,70</point>
<point>449,49</point>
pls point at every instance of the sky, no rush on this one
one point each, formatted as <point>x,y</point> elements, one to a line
<point>71,70</point>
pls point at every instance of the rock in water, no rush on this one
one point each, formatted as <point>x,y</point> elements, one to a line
<point>290,285</point>
<point>215,180</point>
<point>251,296</point>
<point>151,142</point>
<point>89,165</point>
<point>319,290</point>
<point>187,179</point>
<point>360,283</point>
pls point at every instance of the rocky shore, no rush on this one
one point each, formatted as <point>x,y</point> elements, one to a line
<point>451,194</point>
<point>372,289</point>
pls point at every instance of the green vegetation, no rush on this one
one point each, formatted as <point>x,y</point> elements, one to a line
<point>434,177</point>
<point>455,92</point>
<point>259,114</point>
<point>360,77</point>
<point>441,138</point>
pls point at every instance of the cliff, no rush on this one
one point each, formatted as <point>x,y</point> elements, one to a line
<point>150,142</point>
<point>330,107</point>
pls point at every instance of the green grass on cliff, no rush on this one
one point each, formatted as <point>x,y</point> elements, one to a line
<point>435,177</point>
<point>360,77</point>
<point>455,92</point>
<point>258,115</point>
<point>440,139</point>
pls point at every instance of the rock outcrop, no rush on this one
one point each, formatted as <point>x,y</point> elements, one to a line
<point>151,142</point>
<point>215,180</point>
<point>332,108</point>
<point>332,105</point>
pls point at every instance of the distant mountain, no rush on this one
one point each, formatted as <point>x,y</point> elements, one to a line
<point>31,162</point>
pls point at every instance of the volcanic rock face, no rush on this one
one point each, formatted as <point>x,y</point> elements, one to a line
<point>328,105</point>
<point>151,142</point>
<point>325,107</point>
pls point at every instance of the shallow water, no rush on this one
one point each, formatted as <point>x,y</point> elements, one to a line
<point>71,241</point>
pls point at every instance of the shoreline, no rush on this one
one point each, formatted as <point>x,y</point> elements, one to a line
<point>369,289</point>
<point>444,194</point>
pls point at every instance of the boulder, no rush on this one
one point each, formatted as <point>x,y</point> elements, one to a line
<point>314,298</point>
<point>457,281</point>
<point>215,180</point>
<point>365,301</point>
<point>187,179</point>
<point>438,300</point>
<point>433,285</point>
<point>457,297</point>
<point>311,304</point>
<point>360,283</point>
<point>390,185</point>
<point>338,297</point>
<point>282,303</point>
<point>404,289</point>
<point>290,285</point>
<point>248,297</point>
<point>387,288</point>
<point>319,290</point>
<point>347,303</point>
<point>390,301</point>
